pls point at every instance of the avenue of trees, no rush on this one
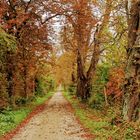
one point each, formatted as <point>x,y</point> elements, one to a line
<point>95,48</point>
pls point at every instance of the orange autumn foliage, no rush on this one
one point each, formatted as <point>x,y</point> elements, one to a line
<point>116,78</point>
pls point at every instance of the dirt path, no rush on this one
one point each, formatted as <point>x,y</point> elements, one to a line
<point>56,122</point>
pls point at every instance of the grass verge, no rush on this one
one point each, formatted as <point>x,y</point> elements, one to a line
<point>10,119</point>
<point>101,124</point>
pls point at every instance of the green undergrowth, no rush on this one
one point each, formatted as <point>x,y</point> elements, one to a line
<point>102,124</point>
<point>10,118</point>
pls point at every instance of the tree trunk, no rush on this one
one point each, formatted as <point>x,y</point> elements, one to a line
<point>25,82</point>
<point>83,83</point>
<point>80,76</point>
<point>83,88</point>
<point>131,107</point>
<point>10,76</point>
<point>84,79</point>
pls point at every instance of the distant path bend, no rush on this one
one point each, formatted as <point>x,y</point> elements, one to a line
<point>56,122</point>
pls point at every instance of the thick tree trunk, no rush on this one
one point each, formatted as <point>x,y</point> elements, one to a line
<point>84,79</point>
<point>132,85</point>
<point>83,83</point>
<point>80,76</point>
<point>10,76</point>
<point>131,107</point>
<point>84,87</point>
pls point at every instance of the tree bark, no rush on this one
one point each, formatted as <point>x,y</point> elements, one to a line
<point>25,82</point>
<point>10,76</point>
<point>80,76</point>
<point>131,104</point>
<point>96,52</point>
<point>84,79</point>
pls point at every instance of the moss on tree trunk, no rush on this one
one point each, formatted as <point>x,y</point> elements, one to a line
<point>131,107</point>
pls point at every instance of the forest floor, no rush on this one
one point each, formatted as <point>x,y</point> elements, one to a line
<point>56,122</point>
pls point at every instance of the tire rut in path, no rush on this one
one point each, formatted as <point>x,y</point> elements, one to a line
<point>56,122</point>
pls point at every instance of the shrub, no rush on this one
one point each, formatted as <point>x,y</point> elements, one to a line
<point>96,101</point>
<point>72,88</point>
<point>43,85</point>
<point>113,86</point>
<point>21,101</point>
<point>97,97</point>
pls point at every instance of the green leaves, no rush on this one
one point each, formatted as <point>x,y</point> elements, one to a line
<point>7,44</point>
<point>7,41</point>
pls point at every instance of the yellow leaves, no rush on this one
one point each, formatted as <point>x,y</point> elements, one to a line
<point>94,2</point>
<point>7,41</point>
<point>64,68</point>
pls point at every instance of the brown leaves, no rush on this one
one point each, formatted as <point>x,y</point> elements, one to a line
<point>3,9</point>
<point>116,80</point>
<point>22,20</point>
